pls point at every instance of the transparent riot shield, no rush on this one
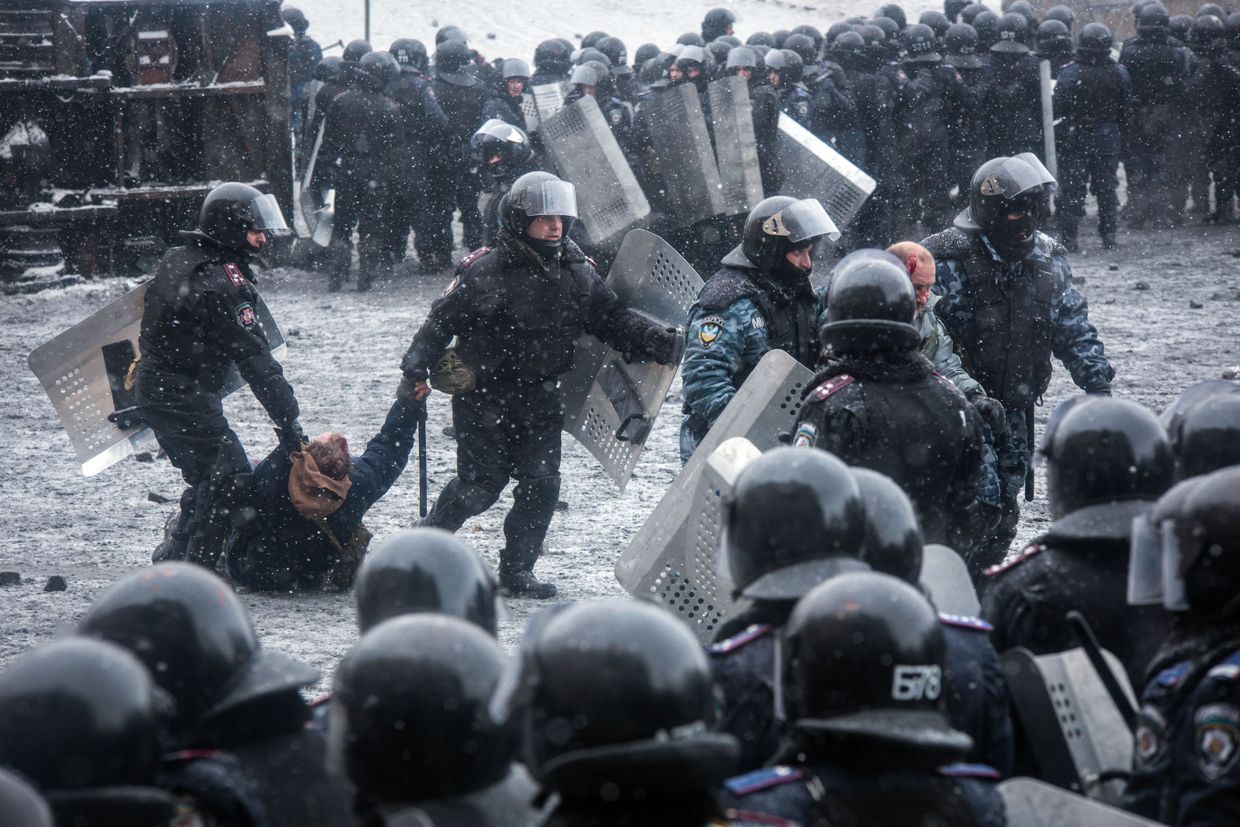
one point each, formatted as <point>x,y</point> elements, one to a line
<point>609,199</point>
<point>1078,737</point>
<point>318,200</point>
<point>656,563</point>
<point>812,169</point>
<point>736,148</point>
<point>693,191</point>
<point>610,404</point>
<point>83,371</point>
<point>1033,803</point>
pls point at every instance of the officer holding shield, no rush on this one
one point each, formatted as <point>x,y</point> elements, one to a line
<point>516,311</point>
<point>199,319</point>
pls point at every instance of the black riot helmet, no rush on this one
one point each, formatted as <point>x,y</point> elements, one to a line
<point>971,11</point>
<point>21,804</point>
<point>864,662</point>
<point>954,8</point>
<point>1013,35</point>
<point>452,57</point>
<point>778,225</point>
<point>741,57</point>
<point>450,33</point>
<point>838,29</point>
<point>961,46</point>
<point>410,54</point>
<point>78,714</point>
<point>788,64</point>
<point>804,47</point>
<point>536,194</point>
<point>1105,450</point>
<point>760,39</point>
<point>613,48</point>
<point>870,305</point>
<point>552,58</point>
<point>920,44</point>
<point>231,210</point>
<point>717,23</point>
<point>1005,202</point>
<point>1053,40</point>
<point>195,637</point>
<point>410,719</point>
<point>381,67</point>
<point>1211,9</point>
<point>719,52</point>
<point>937,21</point>
<point>893,540</point>
<point>893,12</point>
<point>811,32</point>
<point>592,55</point>
<point>329,70</point>
<point>986,23</point>
<point>296,19</point>
<point>644,52</point>
<point>1209,35</point>
<point>1025,9</point>
<point>1063,14</point>
<point>592,39</point>
<point>615,700</point>
<point>795,518</point>
<point>731,40</point>
<point>355,50</point>
<point>691,39</point>
<point>1233,29</point>
<point>1180,26</point>
<point>849,50</point>
<point>514,68</point>
<point>1094,42</point>
<point>1207,437</point>
<point>891,29</point>
<point>1173,415</point>
<point>1153,21</point>
<point>425,570</point>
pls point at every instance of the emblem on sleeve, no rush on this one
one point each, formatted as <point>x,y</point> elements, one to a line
<point>1217,738</point>
<point>246,316</point>
<point>806,436</point>
<point>710,330</point>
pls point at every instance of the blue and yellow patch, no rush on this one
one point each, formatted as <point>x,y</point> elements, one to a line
<point>710,330</point>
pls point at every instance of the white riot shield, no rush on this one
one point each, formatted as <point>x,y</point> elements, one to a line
<point>548,99</point>
<point>609,404</point>
<point>736,148</point>
<point>687,167</point>
<point>812,169</point>
<point>83,371</point>
<point>529,110</point>
<point>1078,737</point>
<point>945,577</point>
<point>318,202</point>
<point>609,199</point>
<point>1033,803</point>
<point>656,563</point>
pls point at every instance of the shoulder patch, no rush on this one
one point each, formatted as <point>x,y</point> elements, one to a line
<point>709,330</point>
<point>1228,670</point>
<point>806,436</point>
<point>965,622</point>
<point>235,275</point>
<point>246,317</point>
<point>1218,738</point>
<point>474,256</point>
<point>970,771</point>
<point>749,635</point>
<point>764,779</point>
<point>1172,675</point>
<point>835,383</point>
<point>1030,551</point>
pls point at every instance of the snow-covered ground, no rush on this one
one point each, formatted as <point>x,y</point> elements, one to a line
<point>1167,307</point>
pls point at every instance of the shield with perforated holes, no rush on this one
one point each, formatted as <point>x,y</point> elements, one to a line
<point>812,169</point>
<point>736,147</point>
<point>658,564</point>
<point>609,199</point>
<point>1077,736</point>
<point>609,403</point>
<point>688,171</point>
<point>83,370</point>
<point>1033,803</point>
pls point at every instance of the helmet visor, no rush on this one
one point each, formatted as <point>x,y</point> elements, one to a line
<point>801,222</point>
<point>267,216</point>
<point>1145,580</point>
<point>550,198</point>
<point>1175,547</point>
<point>500,131</point>
<point>1034,161</point>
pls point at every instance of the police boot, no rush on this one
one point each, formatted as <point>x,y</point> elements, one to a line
<point>1068,228</point>
<point>525,584</point>
<point>176,534</point>
<point>459,501</point>
<point>1106,231</point>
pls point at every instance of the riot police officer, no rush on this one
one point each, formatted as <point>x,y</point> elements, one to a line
<point>1012,102</point>
<point>505,102</point>
<point>502,153</point>
<point>1092,100</point>
<point>1107,460</point>
<point>879,404</point>
<point>1184,756</point>
<point>1009,303</point>
<point>304,54</point>
<point>517,310</point>
<point>863,689</point>
<point>238,715</point>
<point>426,570</point>
<point>462,100</point>
<point>199,318</point>
<point>761,299</point>
<point>1206,436</point>
<point>412,730</point>
<point>614,699</point>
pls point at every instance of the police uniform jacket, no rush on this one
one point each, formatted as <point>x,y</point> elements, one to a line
<point>199,319</point>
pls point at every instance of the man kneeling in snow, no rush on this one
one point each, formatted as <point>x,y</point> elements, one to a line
<point>308,532</point>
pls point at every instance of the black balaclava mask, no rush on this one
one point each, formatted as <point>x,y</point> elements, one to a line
<point>1014,237</point>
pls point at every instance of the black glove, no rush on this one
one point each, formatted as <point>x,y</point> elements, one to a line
<point>292,438</point>
<point>412,393</point>
<point>660,343</point>
<point>990,410</point>
<point>1100,390</point>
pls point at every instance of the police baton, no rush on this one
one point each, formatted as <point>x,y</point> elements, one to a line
<point>422,464</point>
<point>1093,651</point>
<point>1029,478</point>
